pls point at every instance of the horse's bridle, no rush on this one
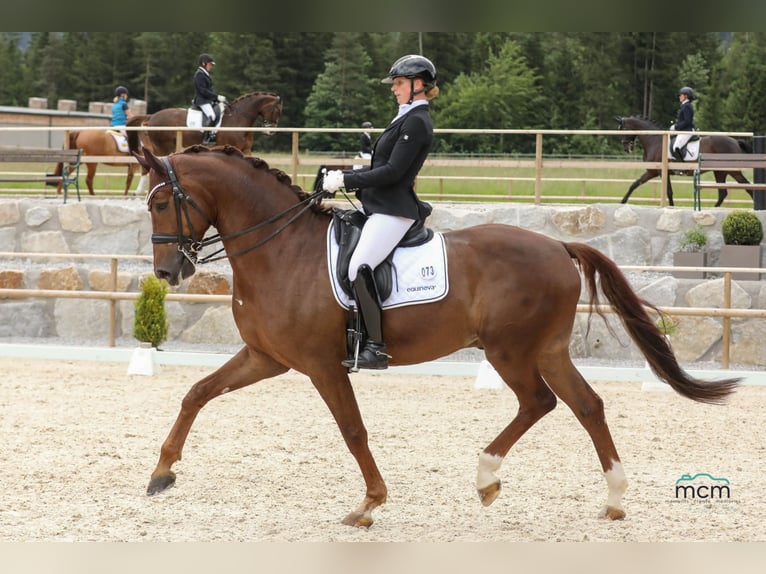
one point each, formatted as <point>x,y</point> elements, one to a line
<point>269,122</point>
<point>190,245</point>
<point>628,141</point>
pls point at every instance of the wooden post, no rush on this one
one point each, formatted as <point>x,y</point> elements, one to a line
<point>726,340</point>
<point>113,303</point>
<point>665,175</point>
<point>179,140</point>
<point>295,160</point>
<point>538,167</point>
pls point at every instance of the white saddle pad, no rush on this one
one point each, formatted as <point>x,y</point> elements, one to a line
<point>692,150</point>
<point>420,273</point>
<point>193,118</point>
<point>120,140</point>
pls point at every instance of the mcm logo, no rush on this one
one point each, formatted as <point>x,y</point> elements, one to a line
<point>702,486</point>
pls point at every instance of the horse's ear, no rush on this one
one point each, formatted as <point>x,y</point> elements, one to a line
<point>141,161</point>
<point>149,161</point>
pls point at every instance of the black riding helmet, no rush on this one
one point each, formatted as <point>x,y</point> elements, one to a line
<point>205,59</point>
<point>119,90</point>
<point>687,91</point>
<point>413,66</point>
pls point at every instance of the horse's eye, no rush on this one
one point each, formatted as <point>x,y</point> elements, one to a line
<point>161,206</point>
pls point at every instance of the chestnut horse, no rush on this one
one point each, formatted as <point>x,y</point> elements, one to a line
<point>652,146</point>
<point>242,112</point>
<point>95,142</point>
<point>512,293</point>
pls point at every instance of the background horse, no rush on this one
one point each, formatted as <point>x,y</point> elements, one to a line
<point>242,112</point>
<point>96,142</point>
<point>652,145</point>
<point>512,293</point>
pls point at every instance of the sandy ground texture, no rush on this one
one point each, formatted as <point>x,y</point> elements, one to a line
<point>267,463</point>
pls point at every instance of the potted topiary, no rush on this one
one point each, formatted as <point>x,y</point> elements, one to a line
<point>150,325</point>
<point>692,252</point>
<point>742,233</point>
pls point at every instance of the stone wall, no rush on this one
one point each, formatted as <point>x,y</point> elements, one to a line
<point>631,235</point>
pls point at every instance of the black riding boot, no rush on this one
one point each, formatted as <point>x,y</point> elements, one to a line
<point>678,154</point>
<point>209,137</point>
<point>373,355</point>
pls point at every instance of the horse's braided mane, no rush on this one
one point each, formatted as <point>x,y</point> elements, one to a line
<point>252,94</point>
<point>261,164</point>
<point>651,122</point>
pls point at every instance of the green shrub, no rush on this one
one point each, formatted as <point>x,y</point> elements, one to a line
<point>151,321</point>
<point>742,228</point>
<point>693,240</point>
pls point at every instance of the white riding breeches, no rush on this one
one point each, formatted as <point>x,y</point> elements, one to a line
<point>380,235</point>
<point>681,140</point>
<point>207,109</point>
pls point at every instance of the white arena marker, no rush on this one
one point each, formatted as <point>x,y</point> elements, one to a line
<point>143,361</point>
<point>487,377</point>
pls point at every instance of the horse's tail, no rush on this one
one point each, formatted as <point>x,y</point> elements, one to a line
<point>134,140</point>
<point>639,325</point>
<point>745,146</point>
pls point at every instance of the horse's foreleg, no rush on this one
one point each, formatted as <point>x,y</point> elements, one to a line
<point>649,174</point>
<point>243,369</point>
<point>669,191</point>
<point>535,401</point>
<point>566,381</point>
<point>337,392</point>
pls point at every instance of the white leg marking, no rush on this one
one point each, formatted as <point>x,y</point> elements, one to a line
<point>618,484</point>
<point>488,464</point>
<point>141,185</point>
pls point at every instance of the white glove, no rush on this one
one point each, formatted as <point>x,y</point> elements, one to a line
<point>222,99</point>
<point>333,181</point>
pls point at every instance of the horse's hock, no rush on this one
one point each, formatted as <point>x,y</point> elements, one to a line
<point>631,235</point>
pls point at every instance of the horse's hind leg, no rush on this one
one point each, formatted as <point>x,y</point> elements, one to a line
<point>567,382</point>
<point>129,178</point>
<point>243,369</point>
<point>720,177</point>
<point>535,401</point>
<point>90,177</point>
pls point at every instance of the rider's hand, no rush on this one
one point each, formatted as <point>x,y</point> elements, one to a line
<point>333,181</point>
<point>222,99</point>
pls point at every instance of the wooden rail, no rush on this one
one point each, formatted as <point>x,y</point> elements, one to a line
<point>539,164</point>
<point>113,295</point>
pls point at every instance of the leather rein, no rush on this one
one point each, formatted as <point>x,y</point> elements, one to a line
<point>190,246</point>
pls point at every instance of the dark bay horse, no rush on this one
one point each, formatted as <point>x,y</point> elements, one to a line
<point>242,112</point>
<point>96,142</point>
<point>653,152</point>
<point>512,292</point>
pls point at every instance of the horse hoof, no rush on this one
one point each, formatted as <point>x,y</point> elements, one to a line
<point>358,519</point>
<point>488,494</point>
<point>612,513</point>
<point>160,484</point>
